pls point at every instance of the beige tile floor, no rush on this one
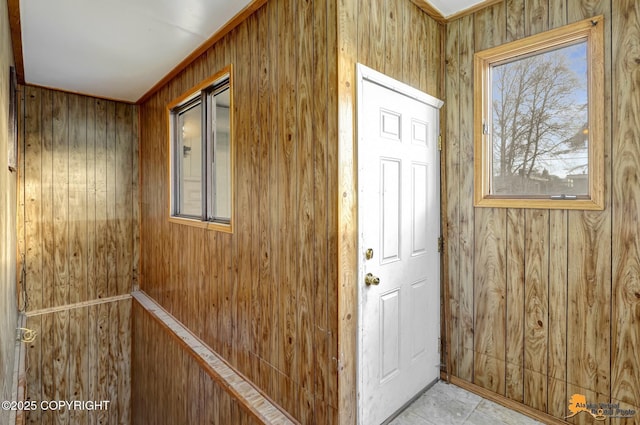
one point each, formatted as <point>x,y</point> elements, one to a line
<point>446,404</point>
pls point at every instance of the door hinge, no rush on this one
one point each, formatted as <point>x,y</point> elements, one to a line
<point>439,142</point>
<point>440,244</point>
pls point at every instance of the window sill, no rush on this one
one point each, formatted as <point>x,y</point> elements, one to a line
<point>207,225</point>
<point>542,203</point>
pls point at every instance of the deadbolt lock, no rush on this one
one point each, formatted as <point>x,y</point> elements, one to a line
<point>368,254</point>
<point>370,279</point>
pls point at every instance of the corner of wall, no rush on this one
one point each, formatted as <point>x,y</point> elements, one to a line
<point>8,305</point>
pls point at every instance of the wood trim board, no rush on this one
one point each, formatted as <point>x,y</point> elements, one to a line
<point>238,386</point>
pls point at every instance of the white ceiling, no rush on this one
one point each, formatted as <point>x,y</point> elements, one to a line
<point>449,7</point>
<point>119,49</point>
<point>116,49</point>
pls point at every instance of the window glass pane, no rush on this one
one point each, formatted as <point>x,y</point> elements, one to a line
<point>189,156</point>
<point>539,128</point>
<point>222,157</point>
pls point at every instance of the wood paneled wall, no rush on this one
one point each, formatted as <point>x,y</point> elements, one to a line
<point>8,308</point>
<point>78,239</point>
<point>398,39</point>
<point>181,394</point>
<point>546,303</point>
<point>81,353</point>
<point>266,297</point>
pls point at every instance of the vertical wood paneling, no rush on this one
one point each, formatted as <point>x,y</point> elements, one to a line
<point>265,299</point>
<point>264,345</point>
<point>489,301</point>
<point>466,211</point>
<point>564,302</point>
<point>589,261</point>
<point>625,320</point>
<point>78,364</point>
<point>557,13</point>
<point>110,205</point>
<point>124,197</point>
<point>61,225</point>
<point>34,205</point>
<point>432,66</point>
<point>35,372</point>
<point>333,217</point>
<point>305,218</point>
<point>287,196</point>
<point>394,45</point>
<point>490,279</point>
<point>65,372</point>
<point>515,375</point>
<point>588,311</point>
<point>452,171</point>
<point>320,204</point>
<point>411,61</point>
<point>557,381</point>
<point>373,33</point>
<point>536,314</point>
<point>558,284</point>
<point>101,229</point>
<point>515,304</point>
<point>393,24</point>
<point>515,19</point>
<point>256,156</point>
<point>368,21</point>
<point>77,201</point>
<point>101,329</point>
<point>78,239</point>
<point>242,249</point>
<point>46,221</point>
<point>537,14</point>
<point>180,394</point>
<point>60,188</point>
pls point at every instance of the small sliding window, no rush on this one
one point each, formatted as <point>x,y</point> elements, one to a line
<point>202,155</point>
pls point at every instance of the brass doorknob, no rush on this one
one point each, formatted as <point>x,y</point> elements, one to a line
<point>370,279</point>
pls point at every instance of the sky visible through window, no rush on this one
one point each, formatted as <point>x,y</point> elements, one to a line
<point>539,128</point>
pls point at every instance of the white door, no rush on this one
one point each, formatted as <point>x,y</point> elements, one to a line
<point>399,225</point>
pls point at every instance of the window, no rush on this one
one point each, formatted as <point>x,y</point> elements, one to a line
<point>202,155</point>
<point>539,123</point>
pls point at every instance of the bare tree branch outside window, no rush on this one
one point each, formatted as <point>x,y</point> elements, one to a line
<point>538,116</point>
<point>540,124</point>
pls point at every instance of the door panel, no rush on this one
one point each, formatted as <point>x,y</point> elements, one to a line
<point>399,220</point>
<point>389,317</point>
<point>419,219</point>
<point>390,210</point>
<point>419,298</point>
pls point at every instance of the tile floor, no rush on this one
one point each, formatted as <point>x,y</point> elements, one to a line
<point>446,404</point>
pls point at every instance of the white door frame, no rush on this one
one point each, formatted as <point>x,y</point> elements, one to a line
<point>364,73</point>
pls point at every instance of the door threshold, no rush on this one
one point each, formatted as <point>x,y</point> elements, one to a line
<point>409,403</point>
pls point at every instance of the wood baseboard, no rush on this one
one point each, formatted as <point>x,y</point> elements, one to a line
<point>504,401</point>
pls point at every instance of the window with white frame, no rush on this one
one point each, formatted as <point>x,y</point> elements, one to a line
<point>202,155</point>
